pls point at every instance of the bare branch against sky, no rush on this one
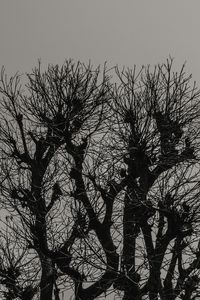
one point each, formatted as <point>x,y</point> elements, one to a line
<point>120,32</point>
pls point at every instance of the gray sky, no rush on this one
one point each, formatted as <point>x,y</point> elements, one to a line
<point>124,32</point>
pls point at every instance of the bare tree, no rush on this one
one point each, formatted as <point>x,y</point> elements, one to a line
<point>103,180</point>
<point>158,130</point>
<point>54,119</point>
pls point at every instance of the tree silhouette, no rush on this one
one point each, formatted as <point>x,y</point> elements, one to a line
<point>102,182</point>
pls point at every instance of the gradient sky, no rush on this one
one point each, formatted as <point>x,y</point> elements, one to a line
<point>124,32</point>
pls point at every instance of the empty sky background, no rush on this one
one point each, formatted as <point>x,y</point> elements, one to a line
<point>124,32</point>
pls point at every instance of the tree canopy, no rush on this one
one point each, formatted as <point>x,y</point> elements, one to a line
<point>100,183</point>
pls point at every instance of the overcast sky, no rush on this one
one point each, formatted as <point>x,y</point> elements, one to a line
<point>124,32</point>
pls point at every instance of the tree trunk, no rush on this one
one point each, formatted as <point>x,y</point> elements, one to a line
<point>47,279</point>
<point>131,231</point>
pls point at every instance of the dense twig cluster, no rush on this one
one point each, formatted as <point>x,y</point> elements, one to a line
<point>100,184</point>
